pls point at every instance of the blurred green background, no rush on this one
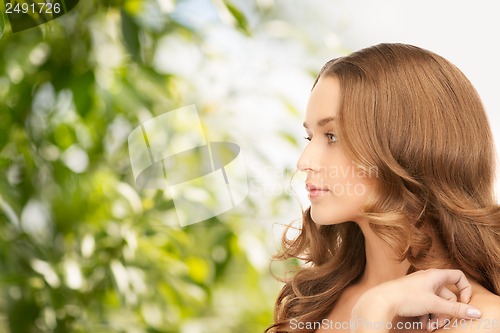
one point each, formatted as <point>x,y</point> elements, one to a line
<point>81,248</point>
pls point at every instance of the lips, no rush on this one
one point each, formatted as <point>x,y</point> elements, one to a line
<point>311,187</point>
<point>315,191</point>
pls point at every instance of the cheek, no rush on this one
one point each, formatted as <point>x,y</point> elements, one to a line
<point>360,190</point>
<point>347,181</point>
<point>361,193</point>
<point>347,198</point>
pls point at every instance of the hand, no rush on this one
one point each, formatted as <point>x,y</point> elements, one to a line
<point>419,294</point>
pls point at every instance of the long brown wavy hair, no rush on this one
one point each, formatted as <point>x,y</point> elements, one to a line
<point>417,120</point>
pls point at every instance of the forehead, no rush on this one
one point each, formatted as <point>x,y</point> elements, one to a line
<point>323,103</point>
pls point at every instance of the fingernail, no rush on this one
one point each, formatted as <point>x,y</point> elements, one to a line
<point>473,312</point>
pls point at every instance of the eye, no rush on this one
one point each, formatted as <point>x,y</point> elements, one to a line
<point>331,137</point>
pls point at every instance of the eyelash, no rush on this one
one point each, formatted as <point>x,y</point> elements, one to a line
<point>330,136</point>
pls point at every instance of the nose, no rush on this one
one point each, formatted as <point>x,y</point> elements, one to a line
<point>307,161</point>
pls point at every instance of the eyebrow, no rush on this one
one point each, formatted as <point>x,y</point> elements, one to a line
<point>322,122</point>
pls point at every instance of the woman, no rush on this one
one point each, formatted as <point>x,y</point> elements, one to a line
<point>403,227</point>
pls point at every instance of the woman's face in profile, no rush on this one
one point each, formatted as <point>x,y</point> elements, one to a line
<point>337,188</point>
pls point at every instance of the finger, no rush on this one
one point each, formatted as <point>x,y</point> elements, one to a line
<point>454,309</point>
<point>447,294</point>
<point>457,277</point>
<point>440,320</point>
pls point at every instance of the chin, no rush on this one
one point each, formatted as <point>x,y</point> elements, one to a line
<point>323,219</point>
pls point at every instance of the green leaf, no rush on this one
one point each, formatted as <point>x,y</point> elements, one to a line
<point>241,20</point>
<point>2,24</point>
<point>130,32</point>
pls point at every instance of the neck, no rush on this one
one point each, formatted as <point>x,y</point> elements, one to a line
<point>381,260</point>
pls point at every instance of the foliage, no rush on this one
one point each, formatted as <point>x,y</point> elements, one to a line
<point>81,248</point>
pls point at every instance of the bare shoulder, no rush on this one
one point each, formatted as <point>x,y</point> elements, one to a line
<point>489,304</point>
